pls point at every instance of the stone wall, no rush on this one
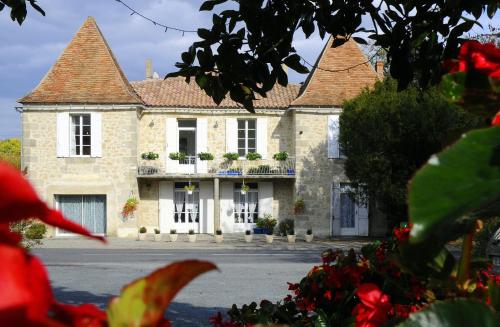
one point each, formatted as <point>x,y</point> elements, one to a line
<point>315,172</point>
<point>114,174</point>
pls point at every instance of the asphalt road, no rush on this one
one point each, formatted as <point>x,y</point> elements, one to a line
<point>92,275</point>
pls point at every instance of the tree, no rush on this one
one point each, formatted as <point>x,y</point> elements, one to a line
<point>252,39</point>
<point>388,135</point>
<point>10,151</point>
<point>18,10</point>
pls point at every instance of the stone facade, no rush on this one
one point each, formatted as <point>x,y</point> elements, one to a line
<point>113,175</point>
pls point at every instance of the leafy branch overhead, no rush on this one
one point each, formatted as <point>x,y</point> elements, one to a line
<point>252,39</point>
<point>18,9</point>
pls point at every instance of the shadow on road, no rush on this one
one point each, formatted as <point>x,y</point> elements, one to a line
<point>180,314</point>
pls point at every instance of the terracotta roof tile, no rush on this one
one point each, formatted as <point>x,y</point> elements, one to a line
<point>175,92</point>
<point>86,72</point>
<point>323,88</point>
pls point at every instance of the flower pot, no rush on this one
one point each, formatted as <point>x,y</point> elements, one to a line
<point>309,238</point>
<point>269,238</point>
<point>141,236</point>
<point>248,238</point>
<point>219,238</point>
<point>258,230</point>
<point>173,237</point>
<point>291,238</point>
<point>157,237</point>
<point>190,192</point>
<point>192,238</point>
<point>243,192</point>
<point>290,171</point>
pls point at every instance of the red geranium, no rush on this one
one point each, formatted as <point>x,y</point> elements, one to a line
<point>484,58</point>
<point>374,306</point>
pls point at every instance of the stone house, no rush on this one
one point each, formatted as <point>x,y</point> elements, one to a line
<point>86,128</point>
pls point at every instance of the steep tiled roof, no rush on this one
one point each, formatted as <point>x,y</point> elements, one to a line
<point>86,72</point>
<point>175,92</point>
<point>324,88</point>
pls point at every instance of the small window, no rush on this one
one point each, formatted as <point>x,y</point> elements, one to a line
<point>247,136</point>
<point>187,140</point>
<point>80,135</point>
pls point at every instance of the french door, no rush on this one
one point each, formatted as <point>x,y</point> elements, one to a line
<point>246,207</point>
<point>186,209</point>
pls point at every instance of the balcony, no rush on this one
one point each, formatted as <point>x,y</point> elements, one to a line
<point>221,168</point>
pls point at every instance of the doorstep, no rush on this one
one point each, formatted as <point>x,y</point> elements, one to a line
<point>203,242</point>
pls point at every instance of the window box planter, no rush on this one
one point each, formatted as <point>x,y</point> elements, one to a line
<point>259,230</point>
<point>290,171</point>
<point>234,173</point>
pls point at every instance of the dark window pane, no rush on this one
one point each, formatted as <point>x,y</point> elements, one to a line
<point>78,150</point>
<point>251,124</point>
<point>241,124</point>
<point>86,119</point>
<point>251,134</point>
<point>251,144</point>
<point>241,134</point>
<point>77,130</point>
<point>187,123</point>
<point>86,150</point>
<point>86,130</point>
<point>241,152</point>
<point>77,140</point>
<point>241,143</point>
<point>86,140</point>
<point>75,120</point>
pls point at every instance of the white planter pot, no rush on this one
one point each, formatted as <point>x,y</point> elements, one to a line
<point>157,237</point>
<point>309,238</point>
<point>141,236</point>
<point>291,238</point>
<point>173,237</point>
<point>243,192</point>
<point>219,238</point>
<point>269,238</point>
<point>192,238</point>
<point>248,238</point>
<point>190,192</point>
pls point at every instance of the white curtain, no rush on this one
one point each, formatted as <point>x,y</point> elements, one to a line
<point>179,203</point>
<point>194,202</point>
<point>237,207</point>
<point>252,205</point>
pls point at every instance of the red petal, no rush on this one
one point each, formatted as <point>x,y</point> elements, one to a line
<point>85,315</point>
<point>26,293</point>
<point>496,120</point>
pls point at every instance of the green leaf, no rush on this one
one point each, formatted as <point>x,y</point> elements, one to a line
<point>293,61</point>
<point>453,86</point>
<point>462,180</point>
<point>144,301</point>
<point>359,40</point>
<point>454,313</point>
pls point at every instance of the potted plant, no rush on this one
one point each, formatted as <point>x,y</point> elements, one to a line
<point>173,235</point>
<point>253,156</point>
<point>157,235</point>
<point>231,156</point>
<point>269,235</point>
<point>142,233</point>
<point>299,206</point>
<point>248,236</point>
<point>285,225</point>
<point>280,156</point>
<point>309,235</point>
<point>244,189</point>
<point>129,208</point>
<point>191,236</point>
<point>190,188</point>
<point>177,156</point>
<point>261,226</point>
<point>204,156</point>
<point>218,236</point>
<point>150,155</point>
<point>290,235</point>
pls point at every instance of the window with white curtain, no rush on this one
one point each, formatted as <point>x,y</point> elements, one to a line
<point>247,136</point>
<point>186,205</point>
<point>246,206</point>
<point>88,211</point>
<point>80,142</point>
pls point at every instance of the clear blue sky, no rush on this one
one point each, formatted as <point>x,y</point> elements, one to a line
<point>28,52</point>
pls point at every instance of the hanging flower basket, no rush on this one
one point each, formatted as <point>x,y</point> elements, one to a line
<point>129,207</point>
<point>189,189</point>
<point>245,189</point>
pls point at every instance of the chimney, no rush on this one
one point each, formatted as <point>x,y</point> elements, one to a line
<point>379,68</point>
<point>149,69</point>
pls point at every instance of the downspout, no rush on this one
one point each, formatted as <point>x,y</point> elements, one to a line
<point>20,110</point>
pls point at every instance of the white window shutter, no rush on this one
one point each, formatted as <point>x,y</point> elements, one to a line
<point>166,206</point>
<point>96,134</point>
<point>333,136</point>
<point>262,137</point>
<point>172,141</point>
<point>231,135</point>
<point>63,136</point>
<point>265,198</point>
<point>201,143</point>
<point>227,207</point>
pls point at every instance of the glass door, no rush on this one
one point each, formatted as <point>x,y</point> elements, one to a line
<point>246,207</point>
<point>186,208</point>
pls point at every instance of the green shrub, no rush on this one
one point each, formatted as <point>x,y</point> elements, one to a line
<point>150,156</point>
<point>268,222</point>
<point>286,226</point>
<point>31,232</point>
<point>143,230</point>
<point>35,231</point>
<point>177,156</point>
<point>253,156</point>
<point>231,156</point>
<point>205,156</point>
<point>280,156</point>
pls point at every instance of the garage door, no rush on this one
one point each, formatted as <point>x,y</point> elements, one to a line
<point>86,210</point>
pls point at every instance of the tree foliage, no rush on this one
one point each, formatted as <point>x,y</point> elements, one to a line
<point>387,135</point>
<point>10,151</point>
<point>18,10</point>
<point>252,39</point>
